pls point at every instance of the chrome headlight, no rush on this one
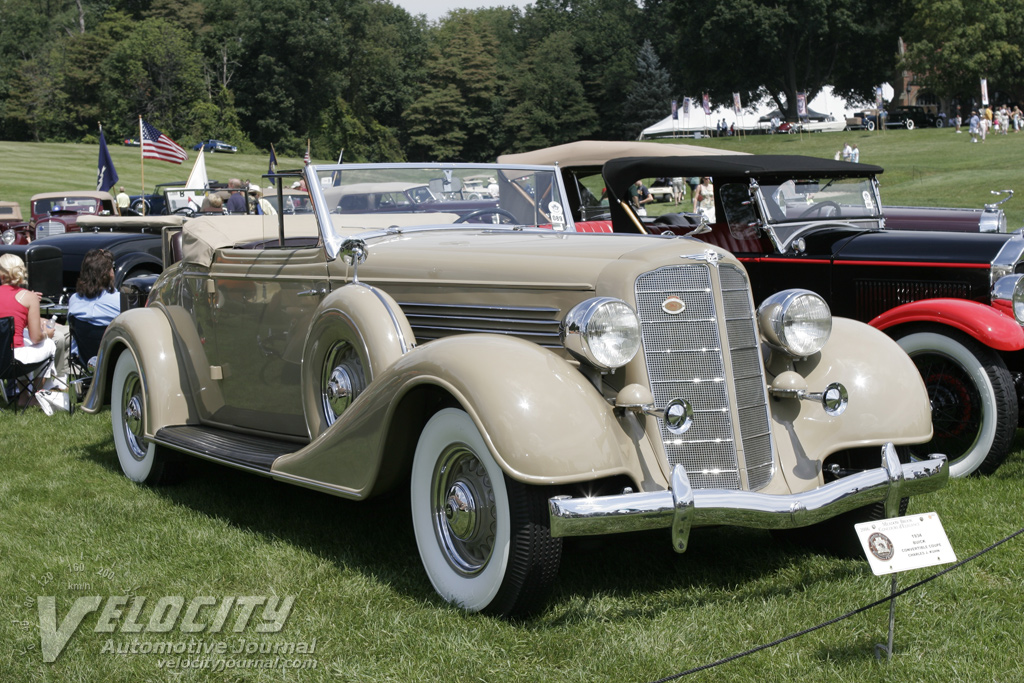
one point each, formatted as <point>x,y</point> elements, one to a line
<point>8,236</point>
<point>796,321</point>
<point>602,331</point>
<point>1009,289</point>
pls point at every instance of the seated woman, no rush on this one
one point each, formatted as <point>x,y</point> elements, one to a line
<point>34,339</point>
<point>95,300</point>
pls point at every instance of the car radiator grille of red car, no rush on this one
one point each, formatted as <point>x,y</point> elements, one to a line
<point>692,354</point>
<point>875,297</point>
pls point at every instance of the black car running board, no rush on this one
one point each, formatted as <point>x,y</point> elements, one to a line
<point>244,451</point>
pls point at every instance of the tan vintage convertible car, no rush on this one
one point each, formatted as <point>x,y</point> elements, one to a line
<point>523,382</point>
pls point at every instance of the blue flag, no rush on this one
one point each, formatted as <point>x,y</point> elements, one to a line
<point>106,174</point>
<point>273,162</point>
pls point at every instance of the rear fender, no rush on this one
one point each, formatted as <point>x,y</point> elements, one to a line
<point>146,334</point>
<point>987,324</point>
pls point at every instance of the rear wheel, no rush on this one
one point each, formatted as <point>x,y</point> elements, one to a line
<point>910,124</point>
<point>141,461</point>
<point>484,538</point>
<point>974,404</point>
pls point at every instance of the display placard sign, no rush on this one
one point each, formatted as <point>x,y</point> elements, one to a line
<point>902,543</point>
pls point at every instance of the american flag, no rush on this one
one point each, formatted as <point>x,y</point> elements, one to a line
<point>156,145</point>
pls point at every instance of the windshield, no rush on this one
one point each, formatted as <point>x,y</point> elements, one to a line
<point>794,204</point>
<point>410,196</point>
<point>69,203</point>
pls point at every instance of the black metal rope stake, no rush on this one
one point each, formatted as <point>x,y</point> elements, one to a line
<point>892,597</point>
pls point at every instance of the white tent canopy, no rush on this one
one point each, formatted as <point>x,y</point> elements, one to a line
<point>825,102</point>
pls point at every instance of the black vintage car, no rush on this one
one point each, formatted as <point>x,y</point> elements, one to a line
<point>953,300</point>
<point>134,242</point>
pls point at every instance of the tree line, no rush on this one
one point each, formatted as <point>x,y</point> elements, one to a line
<point>368,77</point>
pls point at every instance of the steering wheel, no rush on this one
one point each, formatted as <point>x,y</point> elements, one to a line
<point>484,212</point>
<point>186,211</point>
<point>820,208</point>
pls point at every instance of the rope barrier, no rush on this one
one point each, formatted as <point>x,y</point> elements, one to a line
<point>876,603</point>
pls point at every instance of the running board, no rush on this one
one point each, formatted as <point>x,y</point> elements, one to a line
<point>245,451</point>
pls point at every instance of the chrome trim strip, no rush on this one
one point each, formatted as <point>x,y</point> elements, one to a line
<point>682,507</point>
<point>387,307</point>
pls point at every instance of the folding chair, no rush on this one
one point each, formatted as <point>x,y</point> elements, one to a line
<point>15,376</point>
<point>86,338</point>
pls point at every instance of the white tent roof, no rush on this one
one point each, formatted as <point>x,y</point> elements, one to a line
<point>826,102</point>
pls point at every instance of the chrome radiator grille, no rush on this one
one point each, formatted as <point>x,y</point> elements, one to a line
<point>687,356</point>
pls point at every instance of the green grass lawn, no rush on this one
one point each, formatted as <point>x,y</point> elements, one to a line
<point>625,609</point>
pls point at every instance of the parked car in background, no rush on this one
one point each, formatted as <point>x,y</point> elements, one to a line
<point>55,213</point>
<point>862,120</point>
<point>915,116</point>
<point>134,242</point>
<point>521,382</point>
<point>10,215</point>
<point>215,146</point>
<point>953,300</point>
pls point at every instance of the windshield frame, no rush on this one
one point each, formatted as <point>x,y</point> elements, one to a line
<point>333,240</point>
<point>783,230</point>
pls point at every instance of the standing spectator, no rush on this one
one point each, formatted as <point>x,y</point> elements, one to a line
<point>959,119</point>
<point>123,200</point>
<point>693,182</point>
<point>855,154</point>
<point>1004,119</point>
<point>678,191</point>
<point>1016,116</point>
<point>986,121</point>
<point>236,202</point>
<point>974,127</point>
<point>704,199</point>
<point>846,151</point>
<point>639,196</point>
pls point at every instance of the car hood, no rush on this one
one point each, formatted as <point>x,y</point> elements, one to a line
<point>526,261</point>
<point>911,246</point>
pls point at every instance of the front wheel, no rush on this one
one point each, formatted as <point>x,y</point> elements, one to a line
<point>484,538</point>
<point>141,461</point>
<point>974,404</point>
<point>910,124</point>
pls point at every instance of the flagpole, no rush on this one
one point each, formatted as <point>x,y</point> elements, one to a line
<point>142,164</point>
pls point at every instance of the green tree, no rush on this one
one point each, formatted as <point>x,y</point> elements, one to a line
<point>649,100</point>
<point>550,107</point>
<point>797,46</point>
<point>362,140</point>
<point>155,73</point>
<point>952,44</point>
<point>463,79</point>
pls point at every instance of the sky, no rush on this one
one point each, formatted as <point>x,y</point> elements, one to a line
<point>435,9</point>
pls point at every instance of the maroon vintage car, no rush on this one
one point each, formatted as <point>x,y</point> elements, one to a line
<point>55,213</point>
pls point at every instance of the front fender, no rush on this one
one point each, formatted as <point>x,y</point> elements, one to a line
<point>146,333</point>
<point>988,325</point>
<point>542,420</point>
<point>888,401</point>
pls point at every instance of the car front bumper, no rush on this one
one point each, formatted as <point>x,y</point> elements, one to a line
<point>683,507</point>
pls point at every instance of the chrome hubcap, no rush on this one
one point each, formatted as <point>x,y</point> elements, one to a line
<point>465,514</point>
<point>132,412</point>
<point>341,382</point>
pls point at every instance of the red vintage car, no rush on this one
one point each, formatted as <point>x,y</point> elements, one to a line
<point>55,213</point>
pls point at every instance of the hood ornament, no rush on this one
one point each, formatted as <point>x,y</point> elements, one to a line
<point>710,256</point>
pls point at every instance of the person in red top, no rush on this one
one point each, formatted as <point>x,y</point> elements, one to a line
<point>34,339</point>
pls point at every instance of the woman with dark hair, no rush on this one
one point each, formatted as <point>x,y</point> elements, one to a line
<point>95,300</point>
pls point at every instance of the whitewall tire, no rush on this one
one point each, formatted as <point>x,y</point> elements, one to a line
<point>483,538</point>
